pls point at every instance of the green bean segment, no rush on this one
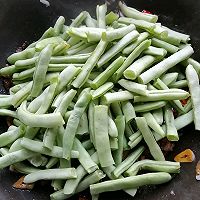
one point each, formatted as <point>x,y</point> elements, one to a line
<point>73,122</point>
<point>149,139</point>
<point>38,147</point>
<point>39,120</point>
<point>101,135</point>
<point>109,98</point>
<point>166,64</point>
<point>50,174</point>
<point>41,70</point>
<point>136,52</point>
<point>130,182</point>
<point>133,13</point>
<point>152,165</point>
<point>110,70</point>
<point>122,167</point>
<point>117,47</point>
<point>90,64</point>
<point>134,87</point>
<point>193,83</point>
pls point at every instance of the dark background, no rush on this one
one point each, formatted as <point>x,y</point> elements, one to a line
<point>25,21</point>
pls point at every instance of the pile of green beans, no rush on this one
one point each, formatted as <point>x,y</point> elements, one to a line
<point>90,91</point>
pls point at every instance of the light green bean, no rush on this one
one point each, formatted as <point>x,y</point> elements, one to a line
<point>107,73</point>
<point>135,14</point>
<point>152,165</point>
<point>90,63</point>
<point>47,174</point>
<point>73,122</point>
<point>149,139</point>
<point>130,182</point>
<point>163,66</point>
<point>193,84</point>
<point>101,135</point>
<point>171,131</point>
<point>122,167</point>
<point>117,47</point>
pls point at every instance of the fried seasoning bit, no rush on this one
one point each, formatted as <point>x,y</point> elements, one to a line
<point>9,121</point>
<point>142,157</point>
<point>21,48</point>
<point>198,171</point>
<point>166,145</point>
<point>185,156</point>
<point>7,83</point>
<point>81,197</point>
<point>175,113</point>
<point>23,186</point>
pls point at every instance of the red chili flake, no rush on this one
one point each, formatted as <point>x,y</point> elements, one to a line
<point>146,11</point>
<point>184,101</point>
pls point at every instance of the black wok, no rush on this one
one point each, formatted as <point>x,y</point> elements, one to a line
<point>26,20</point>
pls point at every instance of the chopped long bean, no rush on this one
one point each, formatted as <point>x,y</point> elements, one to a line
<point>149,106</point>
<point>136,68</point>
<point>169,78</point>
<point>130,182</point>
<point>38,147</point>
<point>133,13</point>
<point>162,44</point>
<point>41,70</point>
<point>109,98</point>
<point>136,52</point>
<point>84,158</point>
<point>149,139</point>
<point>72,124</point>
<point>101,15</point>
<point>90,63</point>
<point>165,65</point>
<point>133,87</point>
<point>101,135</point>
<point>151,121</point>
<point>47,174</point>
<point>66,76</point>
<point>193,84</point>
<point>158,115</point>
<point>39,120</point>
<point>152,165</point>
<point>117,154</point>
<point>117,47</point>
<point>122,167</point>
<point>102,90</point>
<point>143,36</point>
<point>128,111</point>
<point>110,70</point>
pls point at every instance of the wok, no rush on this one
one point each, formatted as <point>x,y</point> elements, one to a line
<point>25,20</point>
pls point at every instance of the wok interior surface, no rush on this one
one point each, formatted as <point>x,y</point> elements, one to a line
<point>25,20</point>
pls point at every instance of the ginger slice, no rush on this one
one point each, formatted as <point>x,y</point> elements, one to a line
<point>198,171</point>
<point>185,156</point>
<point>21,185</point>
